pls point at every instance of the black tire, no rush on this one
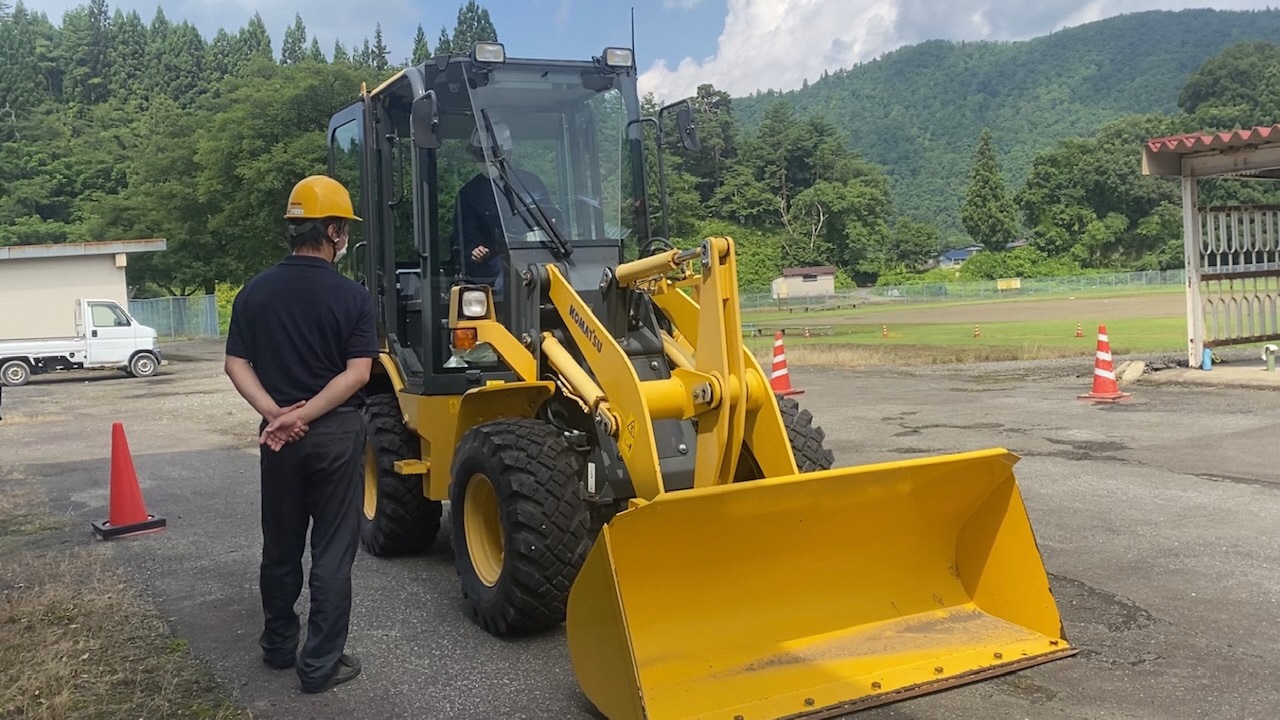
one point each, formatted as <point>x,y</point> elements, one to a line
<point>542,517</point>
<point>396,518</point>
<point>144,364</point>
<point>806,438</point>
<point>15,373</point>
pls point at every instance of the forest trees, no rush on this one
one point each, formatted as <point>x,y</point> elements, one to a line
<point>988,213</point>
<point>1087,200</point>
<point>115,127</point>
<point>797,179</point>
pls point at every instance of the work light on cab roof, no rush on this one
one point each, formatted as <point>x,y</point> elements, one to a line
<point>488,53</point>
<point>618,58</point>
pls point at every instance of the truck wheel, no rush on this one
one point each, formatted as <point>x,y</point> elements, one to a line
<point>520,524</point>
<point>144,364</point>
<point>806,438</point>
<point>15,373</point>
<point>397,518</point>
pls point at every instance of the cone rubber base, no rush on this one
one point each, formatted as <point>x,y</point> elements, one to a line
<point>1105,398</point>
<point>787,393</point>
<point>105,530</point>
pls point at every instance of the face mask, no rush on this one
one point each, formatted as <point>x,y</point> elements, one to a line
<point>339,252</point>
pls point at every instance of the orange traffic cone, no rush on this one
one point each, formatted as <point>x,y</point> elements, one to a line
<point>780,379</point>
<point>1105,387</point>
<point>1079,330</point>
<point>127,513</point>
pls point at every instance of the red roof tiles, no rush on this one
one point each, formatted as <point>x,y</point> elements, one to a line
<point>1182,144</point>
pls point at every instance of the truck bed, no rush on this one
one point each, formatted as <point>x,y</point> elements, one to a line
<point>38,347</point>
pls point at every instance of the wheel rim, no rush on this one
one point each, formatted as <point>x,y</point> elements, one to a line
<point>483,525</point>
<point>370,483</point>
<point>14,374</point>
<point>143,366</point>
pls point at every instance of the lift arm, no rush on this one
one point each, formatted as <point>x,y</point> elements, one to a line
<point>719,382</point>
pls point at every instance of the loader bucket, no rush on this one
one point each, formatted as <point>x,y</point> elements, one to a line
<point>815,594</point>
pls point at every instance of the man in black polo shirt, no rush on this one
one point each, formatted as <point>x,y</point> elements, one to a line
<point>299,350</point>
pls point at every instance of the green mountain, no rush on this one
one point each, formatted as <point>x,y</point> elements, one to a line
<point>919,110</point>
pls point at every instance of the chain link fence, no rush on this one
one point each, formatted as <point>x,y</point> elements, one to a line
<point>975,290</point>
<point>193,316</point>
<point>197,315</point>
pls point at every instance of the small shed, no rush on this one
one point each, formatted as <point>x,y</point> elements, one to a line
<point>805,282</point>
<point>1232,253</point>
<point>39,284</point>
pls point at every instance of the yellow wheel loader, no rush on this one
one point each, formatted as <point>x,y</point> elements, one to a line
<point>578,391</point>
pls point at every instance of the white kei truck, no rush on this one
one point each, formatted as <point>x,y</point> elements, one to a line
<point>107,337</point>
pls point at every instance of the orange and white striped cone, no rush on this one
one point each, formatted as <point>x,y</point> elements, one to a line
<point>1105,387</point>
<point>1079,330</point>
<point>780,378</point>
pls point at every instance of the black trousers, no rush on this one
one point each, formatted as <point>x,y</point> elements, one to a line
<point>318,480</point>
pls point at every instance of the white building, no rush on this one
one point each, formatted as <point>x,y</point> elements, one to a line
<point>40,283</point>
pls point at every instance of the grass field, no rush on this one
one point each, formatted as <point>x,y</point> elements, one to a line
<point>1023,329</point>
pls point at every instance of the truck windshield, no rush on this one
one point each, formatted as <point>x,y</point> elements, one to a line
<point>562,133</point>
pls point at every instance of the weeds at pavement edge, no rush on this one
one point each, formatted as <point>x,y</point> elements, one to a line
<point>76,641</point>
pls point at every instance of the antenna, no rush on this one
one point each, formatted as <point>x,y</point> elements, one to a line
<point>633,33</point>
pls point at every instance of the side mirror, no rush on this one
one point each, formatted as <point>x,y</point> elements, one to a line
<point>688,129</point>
<point>425,121</point>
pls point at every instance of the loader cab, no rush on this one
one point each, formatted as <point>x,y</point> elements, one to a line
<point>470,169</point>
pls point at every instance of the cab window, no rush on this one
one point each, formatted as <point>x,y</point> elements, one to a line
<point>105,315</point>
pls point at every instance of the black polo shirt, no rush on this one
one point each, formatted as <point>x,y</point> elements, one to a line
<point>298,323</point>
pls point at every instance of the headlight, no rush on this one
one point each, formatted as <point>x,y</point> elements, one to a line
<point>618,58</point>
<point>488,53</point>
<point>475,304</point>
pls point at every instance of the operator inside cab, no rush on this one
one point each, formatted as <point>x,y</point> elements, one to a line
<point>489,208</point>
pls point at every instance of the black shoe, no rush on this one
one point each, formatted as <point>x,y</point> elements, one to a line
<point>348,669</point>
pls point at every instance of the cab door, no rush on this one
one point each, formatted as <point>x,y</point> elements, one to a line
<point>111,334</point>
<point>347,161</point>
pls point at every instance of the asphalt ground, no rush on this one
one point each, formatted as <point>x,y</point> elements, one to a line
<point>1157,520</point>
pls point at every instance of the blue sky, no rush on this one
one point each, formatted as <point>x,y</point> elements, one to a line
<point>738,45</point>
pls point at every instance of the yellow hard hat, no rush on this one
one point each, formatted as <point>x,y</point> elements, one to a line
<point>319,196</point>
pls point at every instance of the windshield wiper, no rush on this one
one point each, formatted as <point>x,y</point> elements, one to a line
<point>534,213</point>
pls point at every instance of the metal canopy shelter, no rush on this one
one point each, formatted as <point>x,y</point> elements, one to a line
<point>1232,253</point>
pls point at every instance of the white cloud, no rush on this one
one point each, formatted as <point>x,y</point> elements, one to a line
<point>1095,10</point>
<point>326,20</point>
<point>681,4</point>
<point>777,44</point>
<point>769,43</point>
